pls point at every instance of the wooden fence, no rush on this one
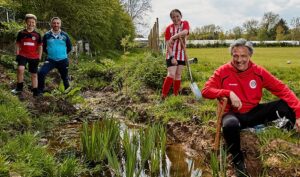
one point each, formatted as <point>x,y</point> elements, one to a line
<point>153,38</point>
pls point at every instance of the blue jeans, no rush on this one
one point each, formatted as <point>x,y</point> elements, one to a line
<point>61,66</point>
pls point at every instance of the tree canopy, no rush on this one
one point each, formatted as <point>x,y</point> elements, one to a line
<point>103,23</point>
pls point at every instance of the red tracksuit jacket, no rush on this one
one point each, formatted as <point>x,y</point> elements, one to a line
<point>248,85</point>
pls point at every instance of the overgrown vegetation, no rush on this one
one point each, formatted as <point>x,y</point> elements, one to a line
<point>126,152</point>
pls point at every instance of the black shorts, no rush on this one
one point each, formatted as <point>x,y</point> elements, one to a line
<point>169,62</point>
<point>32,63</point>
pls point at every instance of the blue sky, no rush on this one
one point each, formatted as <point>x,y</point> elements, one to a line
<point>225,13</point>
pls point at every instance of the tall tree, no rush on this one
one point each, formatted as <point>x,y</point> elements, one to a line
<point>237,31</point>
<point>281,29</point>
<point>295,31</point>
<point>279,33</point>
<point>211,31</point>
<point>251,29</point>
<point>268,24</point>
<point>137,9</point>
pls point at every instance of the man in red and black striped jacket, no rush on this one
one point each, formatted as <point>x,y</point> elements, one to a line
<point>28,50</point>
<point>242,82</point>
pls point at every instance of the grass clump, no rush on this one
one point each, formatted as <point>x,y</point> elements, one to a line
<point>95,74</point>
<point>175,107</point>
<point>70,167</point>
<point>13,113</point>
<point>27,158</point>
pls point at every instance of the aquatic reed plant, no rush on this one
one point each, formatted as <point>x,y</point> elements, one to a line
<point>130,144</point>
<point>218,163</point>
<point>101,137</point>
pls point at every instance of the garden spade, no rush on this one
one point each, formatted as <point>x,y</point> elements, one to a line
<point>193,84</point>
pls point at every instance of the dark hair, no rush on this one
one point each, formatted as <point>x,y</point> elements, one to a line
<point>175,10</point>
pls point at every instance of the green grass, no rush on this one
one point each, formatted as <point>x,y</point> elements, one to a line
<point>13,113</point>
<point>27,158</point>
<point>267,57</point>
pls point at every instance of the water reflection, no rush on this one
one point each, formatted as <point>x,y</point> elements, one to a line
<point>175,163</point>
<point>181,165</point>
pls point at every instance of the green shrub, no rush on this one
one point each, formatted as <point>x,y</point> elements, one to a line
<point>70,167</point>
<point>27,158</point>
<point>4,167</point>
<point>95,74</point>
<point>13,113</point>
<point>9,30</point>
<point>8,61</point>
<point>175,107</point>
<point>140,73</point>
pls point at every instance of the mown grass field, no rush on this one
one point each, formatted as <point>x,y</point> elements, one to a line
<point>267,57</point>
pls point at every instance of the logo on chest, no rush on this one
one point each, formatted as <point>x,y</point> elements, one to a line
<point>233,84</point>
<point>253,84</point>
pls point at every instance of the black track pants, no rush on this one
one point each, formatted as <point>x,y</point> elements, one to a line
<point>261,114</point>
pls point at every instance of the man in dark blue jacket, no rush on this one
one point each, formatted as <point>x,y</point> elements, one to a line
<point>57,45</point>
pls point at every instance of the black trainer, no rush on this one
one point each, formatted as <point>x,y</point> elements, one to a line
<point>35,92</point>
<point>18,89</point>
<point>240,169</point>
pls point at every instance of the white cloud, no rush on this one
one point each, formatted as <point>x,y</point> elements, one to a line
<point>225,13</point>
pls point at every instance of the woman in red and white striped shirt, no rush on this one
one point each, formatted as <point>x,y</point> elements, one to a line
<point>175,55</point>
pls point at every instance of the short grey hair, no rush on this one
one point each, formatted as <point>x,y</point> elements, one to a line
<point>242,42</point>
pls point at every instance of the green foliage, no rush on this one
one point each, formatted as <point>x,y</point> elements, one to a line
<point>138,73</point>
<point>71,94</point>
<point>70,167</point>
<point>27,158</point>
<point>4,166</point>
<point>272,133</point>
<point>218,163</point>
<point>174,107</point>
<point>13,113</point>
<point>95,74</point>
<point>100,139</point>
<point>130,144</point>
<point>127,43</point>
<point>102,23</point>
<point>9,30</point>
<point>8,61</point>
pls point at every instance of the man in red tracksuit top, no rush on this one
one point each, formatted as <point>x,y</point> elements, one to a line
<point>242,82</point>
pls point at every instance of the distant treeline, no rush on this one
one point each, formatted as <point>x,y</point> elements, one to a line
<point>271,27</point>
<point>226,43</point>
